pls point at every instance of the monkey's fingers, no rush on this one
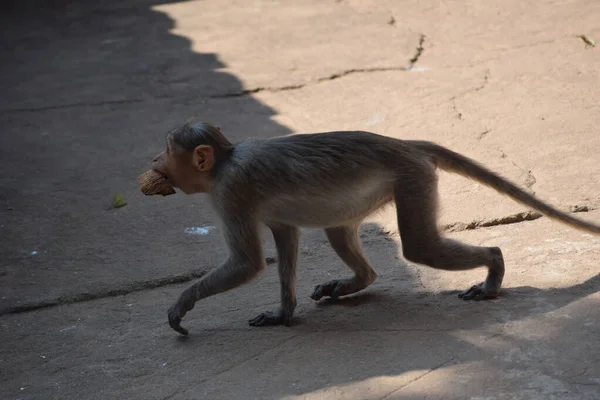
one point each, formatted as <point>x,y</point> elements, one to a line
<point>175,321</point>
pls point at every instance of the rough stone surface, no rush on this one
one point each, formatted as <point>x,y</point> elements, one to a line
<point>89,90</point>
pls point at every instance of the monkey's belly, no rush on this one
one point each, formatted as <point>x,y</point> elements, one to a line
<point>326,210</point>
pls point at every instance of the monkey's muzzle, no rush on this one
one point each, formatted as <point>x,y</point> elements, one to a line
<point>153,183</point>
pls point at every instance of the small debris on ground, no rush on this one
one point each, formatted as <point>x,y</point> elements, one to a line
<point>578,208</point>
<point>118,201</point>
<point>589,41</point>
<point>199,230</point>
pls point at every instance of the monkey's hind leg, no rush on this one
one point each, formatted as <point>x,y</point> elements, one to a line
<point>346,243</point>
<point>416,202</point>
<point>286,241</point>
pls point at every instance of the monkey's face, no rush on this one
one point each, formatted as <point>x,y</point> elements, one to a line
<point>186,170</point>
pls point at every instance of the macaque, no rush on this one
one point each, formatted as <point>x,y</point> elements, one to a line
<point>332,181</point>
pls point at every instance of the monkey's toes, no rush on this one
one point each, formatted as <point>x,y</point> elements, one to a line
<point>175,321</point>
<point>331,289</point>
<point>477,292</point>
<point>318,293</point>
<point>269,318</point>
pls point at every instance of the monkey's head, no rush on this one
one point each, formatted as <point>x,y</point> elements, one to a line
<point>193,154</point>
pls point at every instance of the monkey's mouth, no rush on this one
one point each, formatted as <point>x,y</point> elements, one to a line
<point>163,175</point>
<point>168,181</point>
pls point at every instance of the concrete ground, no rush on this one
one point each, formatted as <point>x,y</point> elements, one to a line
<point>89,90</point>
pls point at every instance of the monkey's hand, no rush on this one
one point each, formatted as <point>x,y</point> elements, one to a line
<point>176,313</point>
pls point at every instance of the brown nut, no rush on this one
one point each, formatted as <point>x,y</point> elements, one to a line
<point>151,183</point>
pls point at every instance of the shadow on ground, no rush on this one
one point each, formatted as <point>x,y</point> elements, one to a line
<point>90,89</point>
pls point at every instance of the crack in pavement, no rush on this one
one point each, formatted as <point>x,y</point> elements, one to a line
<point>100,294</point>
<point>332,77</point>
<point>241,93</point>
<point>506,220</point>
<point>418,377</point>
<point>125,289</point>
<point>309,83</point>
<point>529,179</point>
<point>483,134</point>
<point>486,78</point>
<point>419,52</point>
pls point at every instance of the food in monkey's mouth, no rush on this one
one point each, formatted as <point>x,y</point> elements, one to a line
<point>151,183</point>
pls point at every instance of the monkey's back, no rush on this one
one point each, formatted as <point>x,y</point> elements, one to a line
<point>331,178</point>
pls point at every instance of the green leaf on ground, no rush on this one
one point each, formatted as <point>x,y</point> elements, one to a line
<point>118,201</point>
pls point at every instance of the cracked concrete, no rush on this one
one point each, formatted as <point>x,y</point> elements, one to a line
<point>483,134</point>
<point>130,287</point>
<point>509,219</point>
<point>418,53</point>
<point>113,291</point>
<point>331,77</point>
<point>529,179</point>
<point>454,99</point>
<point>89,90</point>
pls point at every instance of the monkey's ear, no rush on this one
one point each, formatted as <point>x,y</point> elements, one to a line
<point>203,158</point>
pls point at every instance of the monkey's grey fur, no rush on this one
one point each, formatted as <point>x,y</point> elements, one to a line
<point>333,181</point>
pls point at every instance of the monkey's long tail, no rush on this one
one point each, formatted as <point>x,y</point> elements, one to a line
<point>450,161</point>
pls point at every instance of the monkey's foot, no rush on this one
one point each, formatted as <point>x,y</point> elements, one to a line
<point>335,289</point>
<point>175,321</point>
<point>478,292</point>
<point>271,318</point>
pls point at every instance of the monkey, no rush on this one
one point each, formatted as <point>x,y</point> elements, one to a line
<point>332,181</point>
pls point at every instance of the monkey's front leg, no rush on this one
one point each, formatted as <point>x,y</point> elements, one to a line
<point>234,272</point>
<point>244,263</point>
<point>286,241</point>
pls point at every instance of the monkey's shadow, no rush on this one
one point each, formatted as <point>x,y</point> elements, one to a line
<point>396,326</point>
<point>401,302</point>
<point>382,307</point>
<point>519,296</point>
